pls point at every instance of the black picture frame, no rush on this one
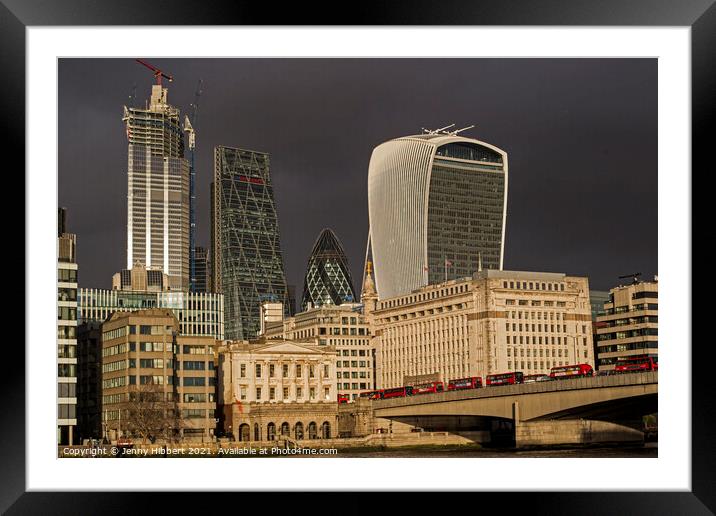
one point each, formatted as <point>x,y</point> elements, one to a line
<point>699,15</point>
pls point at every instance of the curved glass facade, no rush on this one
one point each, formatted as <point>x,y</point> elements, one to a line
<point>328,278</point>
<point>437,206</point>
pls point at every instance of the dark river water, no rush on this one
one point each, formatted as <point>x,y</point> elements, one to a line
<point>647,451</point>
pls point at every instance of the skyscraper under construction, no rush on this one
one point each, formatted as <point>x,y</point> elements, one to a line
<point>246,260</point>
<point>157,189</point>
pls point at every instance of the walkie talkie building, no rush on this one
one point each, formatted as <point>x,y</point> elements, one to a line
<point>437,204</point>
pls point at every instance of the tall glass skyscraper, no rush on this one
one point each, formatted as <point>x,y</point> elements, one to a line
<point>157,189</point>
<point>328,278</point>
<point>246,260</point>
<point>437,204</point>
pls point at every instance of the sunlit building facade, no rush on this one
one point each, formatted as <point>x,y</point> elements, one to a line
<point>437,204</point>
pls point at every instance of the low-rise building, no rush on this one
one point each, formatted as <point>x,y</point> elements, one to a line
<point>156,382</point>
<point>344,328</point>
<point>277,388</point>
<point>496,321</point>
<point>629,326</point>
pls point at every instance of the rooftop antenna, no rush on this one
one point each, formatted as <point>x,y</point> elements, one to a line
<point>436,131</point>
<point>635,276</point>
<point>461,130</point>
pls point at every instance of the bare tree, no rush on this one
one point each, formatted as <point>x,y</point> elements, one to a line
<point>151,412</point>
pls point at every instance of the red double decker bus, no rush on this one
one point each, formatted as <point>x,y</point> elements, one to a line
<point>636,364</point>
<point>571,371</point>
<point>342,398</point>
<point>474,382</point>
<point>371,395</point>
<point>504,378</point>
<point>398,392</point>
<point>428,388</point>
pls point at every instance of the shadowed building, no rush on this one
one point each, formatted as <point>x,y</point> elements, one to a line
<point>246,260</point>
<point>437,204</point>
<point>66,333</point>
<point>328,278</point>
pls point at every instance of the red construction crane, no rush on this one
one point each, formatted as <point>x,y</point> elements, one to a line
<point>158,74</point>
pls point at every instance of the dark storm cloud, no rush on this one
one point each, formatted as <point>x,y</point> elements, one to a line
<point>581,136</point>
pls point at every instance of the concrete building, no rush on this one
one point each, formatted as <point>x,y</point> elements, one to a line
<point>597,298</point>
<point>199,313</point>
<point>345,329</point>
<point>157,189</point>
<point>140,279</point>
<point>494,322</point>
<point>437,205</point>
<point>277,388</point>
<point>246,259</point>
<point>630,323</point>
<point>156,383</point>
<point>66,334</point>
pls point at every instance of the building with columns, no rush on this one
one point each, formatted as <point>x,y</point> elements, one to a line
<point>270,389</point>
<point>494,322</point>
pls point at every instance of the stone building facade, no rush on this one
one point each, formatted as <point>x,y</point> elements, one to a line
<point>494,322</point>
<point>271,389</point>
<point>345,328</point>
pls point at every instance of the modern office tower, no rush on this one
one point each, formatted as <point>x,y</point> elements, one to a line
<point>155,382</point>
<point>157,189</point>
<point>274,388</point>
<point>494,322</point>
<point>630,324</point>
<point>61,221</point>
<point>247,265</point>
<point>291,300</point>
<point>200,269</point>
<point>328,277</point>
<point>89,380</point>
<point>597,298</point>
<point>66,335</point>
<point>199,313</point>
<point>437,205</point>
<point>341,327</point>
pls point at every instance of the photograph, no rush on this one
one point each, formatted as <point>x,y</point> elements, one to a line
<point>357,257</point>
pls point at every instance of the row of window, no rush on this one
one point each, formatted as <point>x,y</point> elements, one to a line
<point>513,339</point>
<point>551,328</point>
<point>533,285</point>
<point>392,303</point>
<point>286,393</point>
<point>298,369</point>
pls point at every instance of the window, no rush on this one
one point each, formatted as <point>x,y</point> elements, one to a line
<point>298,370</point>
<point>272,370</point>
<point>258,393</point>
<point>272,393</point>
<point>299,393</point>
<point>284,370</point>
<point>243,371</point>
<point>258,370</point>
<point>285,393</point>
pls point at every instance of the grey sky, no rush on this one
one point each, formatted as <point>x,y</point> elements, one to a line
<point>581,137</point>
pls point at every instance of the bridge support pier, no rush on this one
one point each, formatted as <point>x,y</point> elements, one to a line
<point>573,431</point>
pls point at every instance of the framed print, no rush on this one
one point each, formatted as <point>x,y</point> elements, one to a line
<point>479,201</point>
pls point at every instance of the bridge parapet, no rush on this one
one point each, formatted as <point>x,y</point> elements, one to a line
<point>595,382</point>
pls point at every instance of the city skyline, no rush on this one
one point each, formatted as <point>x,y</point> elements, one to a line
<point>582,114</point>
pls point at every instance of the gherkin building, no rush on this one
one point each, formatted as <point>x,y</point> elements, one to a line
<point>328,278</point>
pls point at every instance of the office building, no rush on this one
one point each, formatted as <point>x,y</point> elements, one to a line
<point>437,205</point>
<point>270,389</point>
<point>246,260</point>
<point>630,324</point>
<point>597,298</point>
<point>201,260</point>
<point>328,277</point>
<point>345,329</point>
<point>494,322</point>
<point>155,382</point>
<point>89,380</point>
<point>157,189</point>
<point>199,313</point>
<point>66,334</point>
